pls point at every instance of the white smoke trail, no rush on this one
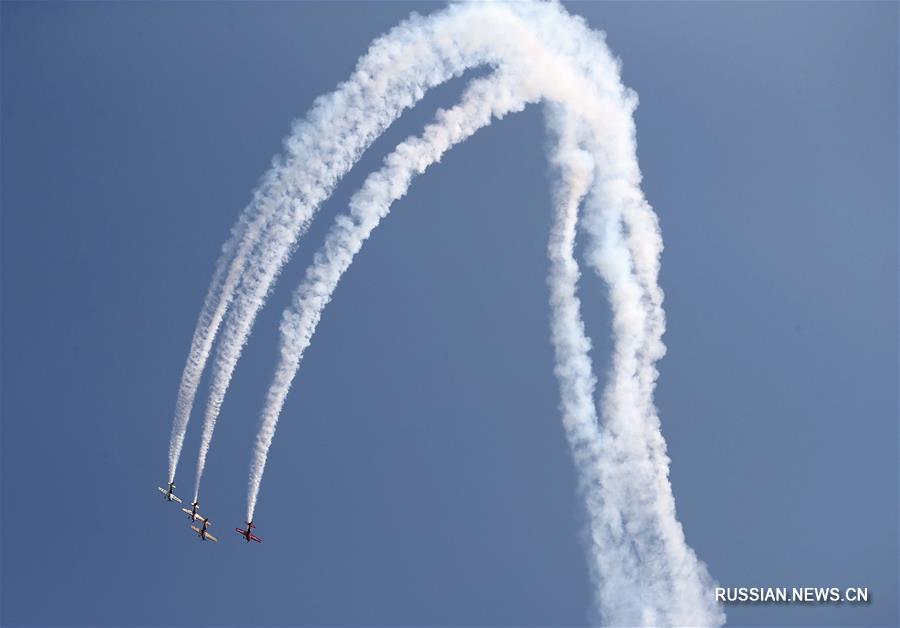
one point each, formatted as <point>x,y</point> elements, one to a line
<point>573,168</point>
<point>631,514</point>
<point>218,298</point>
<point>537,68</point>
<point>400,66</point>
<point>484,99</point>
<point>633,461</point>
<point>396,72</point>
<point>201,343</point>
<point>633,466</point>
<point>646,573</point>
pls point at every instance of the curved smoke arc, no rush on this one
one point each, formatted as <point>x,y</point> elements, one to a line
<point>644,571</point>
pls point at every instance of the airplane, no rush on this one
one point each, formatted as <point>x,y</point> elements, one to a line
<point>192,513</point>
<point>169,495</point>
<point>202,533</point>
<point>248,534</point>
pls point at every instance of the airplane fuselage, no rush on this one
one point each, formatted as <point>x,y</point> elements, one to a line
<point>168,494</point>
<point>248,533</point>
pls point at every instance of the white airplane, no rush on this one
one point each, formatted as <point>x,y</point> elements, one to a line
<point>168,494</point>
<point>202,533</point>
<point>192,513</point>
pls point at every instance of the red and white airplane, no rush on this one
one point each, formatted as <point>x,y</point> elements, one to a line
<point>192,514</point>
<point>248,533</point>
<point>202,533</point>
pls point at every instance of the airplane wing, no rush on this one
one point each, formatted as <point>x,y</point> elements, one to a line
<point>186,511</point>
<point>195,529</point>
<point>255,538</point>
<point>162,490</point>
<point>177,499</point>
<point>210,537</point>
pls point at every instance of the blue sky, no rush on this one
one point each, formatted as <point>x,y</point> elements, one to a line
<point>420,474</point>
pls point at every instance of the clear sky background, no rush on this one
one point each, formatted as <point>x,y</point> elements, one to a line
<point>420,474</point>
